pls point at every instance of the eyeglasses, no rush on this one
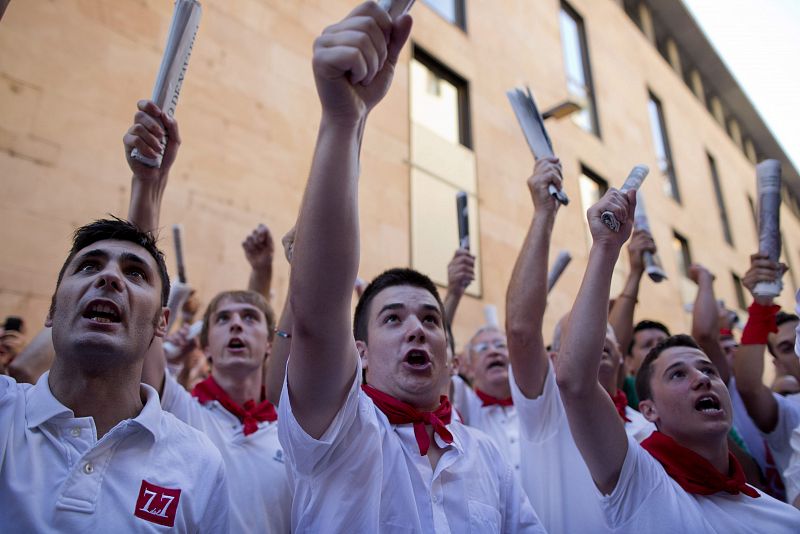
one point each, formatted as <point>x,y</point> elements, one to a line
<point>497,344</point>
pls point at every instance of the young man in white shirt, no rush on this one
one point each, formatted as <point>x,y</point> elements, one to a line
<point>553,474</point>
<point>88,448</point>
<point>230,406</point>
<point>385,458</point>
<point>683,477</point>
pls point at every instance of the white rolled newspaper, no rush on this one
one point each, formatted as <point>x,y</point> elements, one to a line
<point>490,315</point>
<point>178,294</point>
<point>532,124</point>
<point>652,263</point>
<point>768,174</point>
<point>395,8</point>
<point>174,63</point>
<point>194,331</point>
<point>559,265</point>
<point>633,181</point>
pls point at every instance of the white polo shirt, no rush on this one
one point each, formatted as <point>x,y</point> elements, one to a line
<point>260,496</point>
<point>366,475</point>
<point>647,499</point>
<point>151,473</point>
<point>791,475</point>
<point>501,423</point>
<point>554,474</point>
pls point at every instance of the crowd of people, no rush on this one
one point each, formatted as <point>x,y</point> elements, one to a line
<point>127,414</point>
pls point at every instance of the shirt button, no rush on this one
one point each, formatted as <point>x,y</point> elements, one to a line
<point>76,431</point>
<point>88,468</point>
<point>435,499</point>
<point>516,467</point>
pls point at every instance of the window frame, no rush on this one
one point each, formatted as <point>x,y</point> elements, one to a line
<point>460,10</point>
<point>718,194</point>
<point>672,176</point>
<point>586,63</point>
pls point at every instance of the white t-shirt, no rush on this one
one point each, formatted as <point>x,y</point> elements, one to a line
<point>260,496</point>
<point>791,476</point>
<point>779,440</point>
<point>647,499</point>
<point>367,475</point>
<point>141,476</point>
<point>554,474</point>
<point>744,424</point>
<point>501,423</point>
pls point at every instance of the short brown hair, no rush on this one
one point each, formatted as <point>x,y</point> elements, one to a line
<point>645,372</point>
<point>246,297</point>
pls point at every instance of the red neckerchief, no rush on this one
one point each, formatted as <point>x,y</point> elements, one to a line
<point>621,401</point>
<point>400,413</point>
<point>488,400</point>
<point>694,473</point>
<point>250,414</point>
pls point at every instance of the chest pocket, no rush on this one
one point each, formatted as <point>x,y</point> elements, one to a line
<point>483,518</point>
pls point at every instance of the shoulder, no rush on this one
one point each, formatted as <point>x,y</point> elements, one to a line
<point>176,433</point>
<point>12,392</point>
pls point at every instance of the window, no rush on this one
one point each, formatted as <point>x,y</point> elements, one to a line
<point>723,212</point>
<point>754,212</point>
<point>592,188</point>
<point>453,11</point>
<point>739,290</point>
<point>576,64</point>
<point>658,129</point>
<point>683,256</point>
<point>788,257</point>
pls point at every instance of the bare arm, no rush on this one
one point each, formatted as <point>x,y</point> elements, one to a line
<point>621,315</point>
<point>259,249</point>
<point>460,274</point>
<point>596,426</point>
<point>275,371</point>
<point>526,298</point>
<point>34,359</point>
<point>705,320</point>
<point>354,65</point>
<point>150,127</point>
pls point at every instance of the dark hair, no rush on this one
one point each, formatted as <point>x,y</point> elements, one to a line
<point>781,318</point>
<point>390,278</point>
<point>646,369</point>
<point>245,297</point>
<point>120,230</point>
<point>646,325</point>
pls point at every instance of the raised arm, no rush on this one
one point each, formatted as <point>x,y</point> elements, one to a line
<point>705,319</point>
<point>151,132</point>
<point>596,426</point>
<point>526,298</point>
<point>621,315</point>
<point>460,274</point>
<point>354,62</point>
<point>259,249</point>
<point>33,360</point>
<point>275,371</point>
<point>749,357</point>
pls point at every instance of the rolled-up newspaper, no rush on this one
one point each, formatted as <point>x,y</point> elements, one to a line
<point>462,214</point>
<point>194,331</point>
<point>490,315</point>
<point>178,293</point>
<point>652,263</point>
<point>395,8</point>
<point>182,32</point>
<point>768,174</point>
<point>532,124</point>
<point>176,238</point>
<point>561,262</point>
<point>633,181</point>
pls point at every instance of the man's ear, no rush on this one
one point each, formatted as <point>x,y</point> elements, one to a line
<point>161,326</point>
<point>648,409</point>
<point>361,347</point>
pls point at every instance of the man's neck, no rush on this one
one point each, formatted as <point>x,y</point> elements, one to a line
<point>241,387</point>
<point>498,391</point>
<point>108,399</point>
<point>609,383</point>
<point>714,450</point>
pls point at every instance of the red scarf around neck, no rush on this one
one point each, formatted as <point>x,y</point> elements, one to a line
<point>400,413</point>
<point>250,414</point>
<point>488,400</point>
<point>694,473</point>
<point>621,401</point>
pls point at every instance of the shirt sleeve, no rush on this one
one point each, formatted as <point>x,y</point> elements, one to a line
<point>542,417</point>
<point>180,403</point>
<point>309,456</point>
<point>788,419</point>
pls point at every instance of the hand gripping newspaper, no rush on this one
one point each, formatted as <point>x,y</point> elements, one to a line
<point>174,63</point>
<point>768,174</point>
<point>633,181</point>
<point>532,124</point>
<point>559,265</point>
<point>652,263</point>
<point>395,8</point>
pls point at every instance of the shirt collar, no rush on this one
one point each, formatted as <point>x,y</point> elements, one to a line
<point>42,406</point>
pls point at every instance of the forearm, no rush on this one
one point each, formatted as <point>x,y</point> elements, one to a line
<point>621,315</point>
<point>35,359</point>
<point>705,326</point>
<point>451,302</point>
<point>279,355</point>
<point>261,281</point>
<point>526,301</point>
<point>145,203</point>
<point>757,397</point>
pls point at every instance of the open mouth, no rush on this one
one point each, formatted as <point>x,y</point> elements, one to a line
<point>707,404</point>
<point>496,363</point>
<point>102,312</point>
<point>236,343</point>
<point>417,358</point>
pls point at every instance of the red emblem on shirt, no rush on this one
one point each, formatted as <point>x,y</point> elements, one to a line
<point>156,504</point>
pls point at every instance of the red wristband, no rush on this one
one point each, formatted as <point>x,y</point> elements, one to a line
<point>760,324</point>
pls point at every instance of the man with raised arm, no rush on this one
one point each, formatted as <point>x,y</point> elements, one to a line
<point>682,478</point>
<point>229,407</point>
<point>553,474</point>
<point>386,457</point>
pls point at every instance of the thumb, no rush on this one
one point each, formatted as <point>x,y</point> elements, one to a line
<point>401,29</point>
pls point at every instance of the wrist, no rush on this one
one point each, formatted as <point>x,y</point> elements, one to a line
<point>760,323</point>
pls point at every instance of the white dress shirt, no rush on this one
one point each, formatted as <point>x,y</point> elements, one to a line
<point>260,497</point>
<point>647,499</point>
<point>554,474</point>
<point>143,475</point>
<point>365,475</point>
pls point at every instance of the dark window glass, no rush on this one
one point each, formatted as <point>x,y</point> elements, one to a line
<point>723,212</point>
<point>578,70</point>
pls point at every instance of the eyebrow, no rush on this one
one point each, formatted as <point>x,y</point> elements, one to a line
<point>678,364</point>
<point>95,253</point>
<point>393,306</point>
<point>130,257</point>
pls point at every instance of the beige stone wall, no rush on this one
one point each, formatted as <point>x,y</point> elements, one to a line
<point>71,72</point>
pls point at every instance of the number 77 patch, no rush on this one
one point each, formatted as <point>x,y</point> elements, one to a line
<point>156,504</point>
